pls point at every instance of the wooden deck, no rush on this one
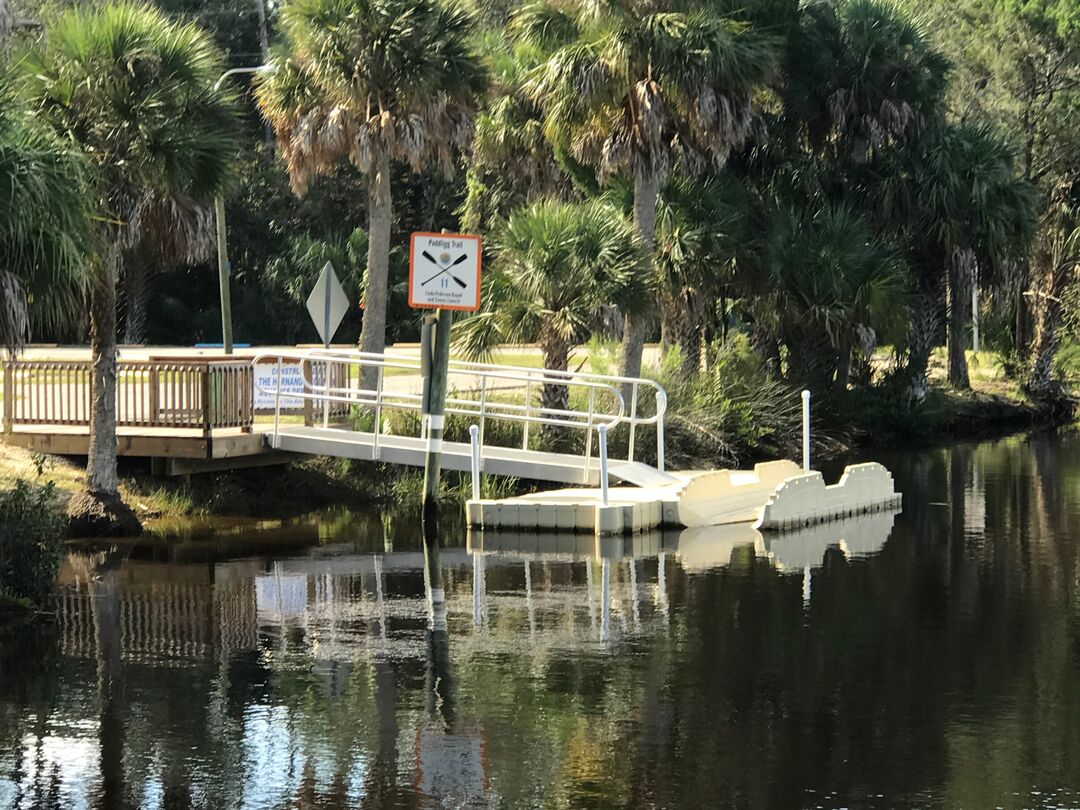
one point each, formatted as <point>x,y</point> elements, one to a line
<point>147,442</point>
<point>186,415</point>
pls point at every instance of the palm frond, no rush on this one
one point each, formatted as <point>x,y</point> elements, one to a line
<point>364,78</point>
<point>46,226</point>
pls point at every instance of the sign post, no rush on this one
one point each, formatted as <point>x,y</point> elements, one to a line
<point>444,275</point>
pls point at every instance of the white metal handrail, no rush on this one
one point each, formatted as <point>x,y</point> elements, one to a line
<point>606,404</point>
<point>495,409</point>
<point>529,375</point>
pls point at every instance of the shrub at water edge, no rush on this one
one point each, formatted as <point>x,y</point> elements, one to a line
<point>31,531</point>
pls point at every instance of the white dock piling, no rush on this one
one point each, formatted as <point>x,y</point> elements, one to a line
<point>806,430</point>
<point>602,430</point>
<point>474,439</point>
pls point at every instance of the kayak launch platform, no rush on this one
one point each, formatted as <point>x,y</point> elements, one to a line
<point>776,496</point>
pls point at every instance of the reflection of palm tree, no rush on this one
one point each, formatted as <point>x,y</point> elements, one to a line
<point>104,587</point>
<point>382,782</point>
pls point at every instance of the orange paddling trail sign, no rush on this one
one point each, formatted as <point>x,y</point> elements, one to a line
<point>444,271</point>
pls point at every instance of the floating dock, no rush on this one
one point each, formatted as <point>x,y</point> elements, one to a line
<point>774,496</point>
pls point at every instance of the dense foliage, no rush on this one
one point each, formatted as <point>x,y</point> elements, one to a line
<point>842,185</point>
<point>44,225</point>
<point>31,537</point>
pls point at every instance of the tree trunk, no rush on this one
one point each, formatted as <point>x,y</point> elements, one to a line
<point>7,26</point>
<point>1021,328</point>
<point>101,476</point>
<point>556,351</point>
<point>637,325</point>
<point>961,277</point>
<point>811,361</point>
<point>922,334</point>
<point>1046,312</point>
<point>691,331</point>
<point>7,23</point>
<point>861,372</point>
<point>767,346</point>
<point>670,314</point>
<point>99,511</point>
<point>136,289</point>
<point>104,588</point>
<point>373,332</point>
<point>843,362</point>
<point>681,327</point>
<point>1056,270</point>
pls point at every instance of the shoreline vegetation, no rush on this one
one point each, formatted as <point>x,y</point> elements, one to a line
<point>839,196</point>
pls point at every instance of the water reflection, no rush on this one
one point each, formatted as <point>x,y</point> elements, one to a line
<point>930,662</point>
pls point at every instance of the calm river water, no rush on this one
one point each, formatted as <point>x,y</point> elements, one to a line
<point>926,659</point>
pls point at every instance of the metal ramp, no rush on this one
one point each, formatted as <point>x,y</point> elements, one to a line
<point>366,389</point>
<point>409,451</point>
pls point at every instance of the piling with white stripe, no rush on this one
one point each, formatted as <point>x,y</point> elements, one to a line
<point>435,405</point>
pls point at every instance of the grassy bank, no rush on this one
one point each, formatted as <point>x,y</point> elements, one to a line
<point>265,492</point>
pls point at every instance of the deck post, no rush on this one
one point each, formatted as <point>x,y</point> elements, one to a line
<point>207,414</point>
<point>9,396</point>
<point>435,408</point>
<point>154,403</point>
<point>305,374</point>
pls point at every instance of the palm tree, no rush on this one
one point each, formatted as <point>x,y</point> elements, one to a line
<point>861,76</point>
<point>172,230</point>
<point>1056,261</point>
<point>297,269</point>
<point>830,279</point>
<point>46,230</point>
<point>554,265</point>
<point>969,211</point>
<point>512,164</point>
<point>700,226</point>
<point>374,81</point>
<point>136,91</point>
<point>630,88</point>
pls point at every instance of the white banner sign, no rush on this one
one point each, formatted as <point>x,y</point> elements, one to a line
<point>292,381</point>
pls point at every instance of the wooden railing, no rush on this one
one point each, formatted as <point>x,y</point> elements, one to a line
<point>187,395</point>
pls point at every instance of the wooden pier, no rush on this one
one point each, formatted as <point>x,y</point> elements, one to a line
<point>189,415</point>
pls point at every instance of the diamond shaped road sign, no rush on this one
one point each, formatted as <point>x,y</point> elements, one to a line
<point>327,304</point>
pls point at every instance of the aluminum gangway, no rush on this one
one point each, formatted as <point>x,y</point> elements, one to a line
<point>592,406</point>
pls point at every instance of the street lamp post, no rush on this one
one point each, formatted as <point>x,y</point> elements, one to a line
<point>219,221</point>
